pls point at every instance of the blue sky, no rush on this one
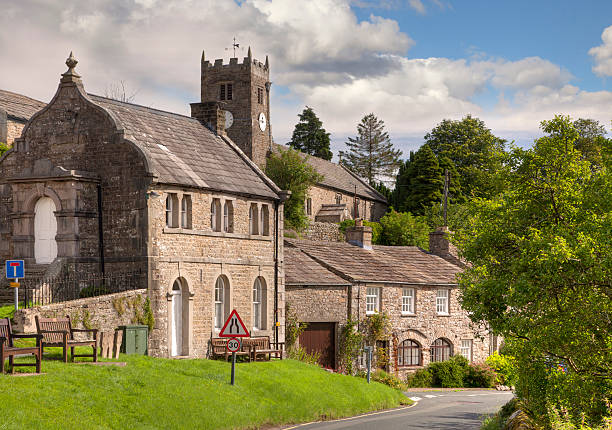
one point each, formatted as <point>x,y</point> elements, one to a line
<point>411,62</point>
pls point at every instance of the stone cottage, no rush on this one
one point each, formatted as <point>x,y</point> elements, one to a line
<point>95,184</point>
<point>329,282</point>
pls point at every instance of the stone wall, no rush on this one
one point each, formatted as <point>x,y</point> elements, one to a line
<point>103,312</point>
<point>13,130</point>
<point>323,231</point>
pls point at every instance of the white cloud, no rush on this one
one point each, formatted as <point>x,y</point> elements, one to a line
<point>417,5</point>
<point>602,54</point>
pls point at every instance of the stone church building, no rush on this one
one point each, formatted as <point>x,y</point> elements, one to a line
<point>95,184</point>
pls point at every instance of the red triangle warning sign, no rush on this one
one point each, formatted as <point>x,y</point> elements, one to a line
<point>234,327</point>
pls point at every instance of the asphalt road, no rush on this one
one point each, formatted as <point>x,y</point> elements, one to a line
<point>435,410</point>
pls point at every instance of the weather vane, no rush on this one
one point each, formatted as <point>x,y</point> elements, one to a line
<point>234,45</point>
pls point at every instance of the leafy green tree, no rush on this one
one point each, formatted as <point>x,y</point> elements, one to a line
<point>591,140</point>
<point>371,154</point>
<point>541,262</point>
<point>290,171</point>
<point>404,229</point>
<point>3,148</point>
<point>478,156</point>
<point>383,190</point>
<point>310,137</point>
<point>426,183</point>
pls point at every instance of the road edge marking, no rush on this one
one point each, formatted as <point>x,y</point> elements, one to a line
<point>368,414</point>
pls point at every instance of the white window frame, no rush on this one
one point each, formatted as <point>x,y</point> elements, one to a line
<point>442,301</point>
<point>466,348</point>
<point>372,300</point>
<point>257,301</point>
<point>219,302</point>
<point>408,299</point>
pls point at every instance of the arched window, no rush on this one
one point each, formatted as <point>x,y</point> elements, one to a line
<point>409,353</point>
<point>253,228</point>
<point>228,217</point>
<point>45,229</point>
<point>222,294</point>
<point>186,211</point>
<point>172,210</point>
<point>440,350</point>
<point>259,304</point>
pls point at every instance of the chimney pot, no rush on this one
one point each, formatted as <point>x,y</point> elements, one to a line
<point>359,235</point>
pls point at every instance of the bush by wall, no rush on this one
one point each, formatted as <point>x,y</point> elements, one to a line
<point>456,372</point>
<point>505,368</point>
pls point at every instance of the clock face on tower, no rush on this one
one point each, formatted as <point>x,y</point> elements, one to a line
<point>229,119</point>
<point>262,121</point>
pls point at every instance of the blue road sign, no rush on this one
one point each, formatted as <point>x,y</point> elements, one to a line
<point>15,269</point>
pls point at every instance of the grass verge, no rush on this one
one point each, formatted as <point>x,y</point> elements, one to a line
<point>156,393</point>
<point>7,311</point>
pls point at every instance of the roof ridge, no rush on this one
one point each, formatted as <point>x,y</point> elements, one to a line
<point>363,182</point>
<point>141,107</point>
<point>22,95</point>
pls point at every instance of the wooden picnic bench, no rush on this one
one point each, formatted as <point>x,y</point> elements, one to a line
<point>260,346</point>
<point>9,350</point>
<point>58,332</point>
<point>219,348</point>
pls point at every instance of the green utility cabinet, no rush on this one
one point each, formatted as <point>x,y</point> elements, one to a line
<point>135,339</point>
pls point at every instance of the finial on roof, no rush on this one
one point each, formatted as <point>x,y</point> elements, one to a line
<point>249,54</point>
<point>70,75</point>
<point>267,62</point>
<point>203,57</point>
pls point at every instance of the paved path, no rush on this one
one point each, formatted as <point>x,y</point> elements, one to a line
<point>435,410</point>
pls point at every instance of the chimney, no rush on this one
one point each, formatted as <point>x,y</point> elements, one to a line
<point>211,115</point>
<point>440,245</point>
<point>359,235</point>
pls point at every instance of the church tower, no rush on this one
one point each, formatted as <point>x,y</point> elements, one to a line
<point>243,92</point>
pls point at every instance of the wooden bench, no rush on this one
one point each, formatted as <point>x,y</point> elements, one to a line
<point>58,332</point>
<point>260,346</point>
<point>9,350</point>
<point>219,349</point>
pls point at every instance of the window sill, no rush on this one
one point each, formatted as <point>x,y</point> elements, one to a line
<point>191,232</point>
<point>408,315</point>
<point>443,315</point>
<point>410,366</point>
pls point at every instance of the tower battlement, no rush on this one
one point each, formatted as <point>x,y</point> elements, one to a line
<point>248,64</point>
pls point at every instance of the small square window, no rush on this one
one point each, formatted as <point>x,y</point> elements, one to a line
<point>372,300</point>
<point>442,302</point>
<point>466,349</point>
<point>407,301</point>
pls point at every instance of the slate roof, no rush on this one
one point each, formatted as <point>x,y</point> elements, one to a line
<point>19,107</point>
<point>185,152</point>
<point>339,178</point>
<point>302,270</point>
<point>391,264</point>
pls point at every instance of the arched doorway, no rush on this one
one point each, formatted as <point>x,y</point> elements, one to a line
<point>45,229</point>
<point>176,329</point>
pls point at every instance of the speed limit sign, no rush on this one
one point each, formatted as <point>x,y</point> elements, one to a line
<point>233,344</point>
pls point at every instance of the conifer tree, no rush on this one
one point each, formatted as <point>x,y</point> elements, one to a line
<point>310,137</point>
<point>371,153</point>
<point>426,181</point>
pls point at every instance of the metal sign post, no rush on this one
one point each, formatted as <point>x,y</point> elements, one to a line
<point>15,269</point>
<point>233,345</point>
<point>368,351</point>
<point>234,328</point>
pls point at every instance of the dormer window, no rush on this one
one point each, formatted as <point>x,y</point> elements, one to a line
<point>226,92</point>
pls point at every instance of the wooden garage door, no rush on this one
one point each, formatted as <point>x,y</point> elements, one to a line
<point>320,337</point>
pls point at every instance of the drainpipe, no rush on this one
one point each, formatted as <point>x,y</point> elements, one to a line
<point>284,195</point>
<point>100,230</point>
<point>276,217</point>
